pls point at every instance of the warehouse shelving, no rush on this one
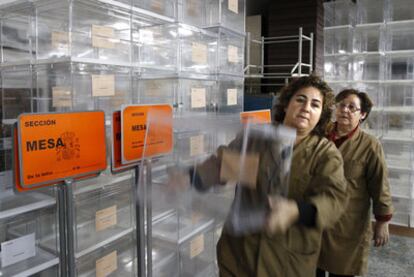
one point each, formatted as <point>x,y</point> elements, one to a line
<point>382,50</point>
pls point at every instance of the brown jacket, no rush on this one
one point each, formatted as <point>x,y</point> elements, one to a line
<point>345,247</point>
<point>316,177</point>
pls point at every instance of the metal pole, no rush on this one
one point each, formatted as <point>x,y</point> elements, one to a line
<point>248,52</point>
<point>300,52</point>
<point>311,54</point>
<point>62,229</point>
<point>149,216</point>
<point>140,227</point>
<point>262,59</point>
<point>69,230</point>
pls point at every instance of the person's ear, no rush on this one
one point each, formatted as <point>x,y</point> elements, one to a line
<point>363,116</point>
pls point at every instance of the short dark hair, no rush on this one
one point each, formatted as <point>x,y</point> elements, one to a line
<point>366,102</point>
<point>287,92</point>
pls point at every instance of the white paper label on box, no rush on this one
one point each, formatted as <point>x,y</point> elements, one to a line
<point>103,85</point>
<point>105,218</point>
<point>196,246</point>
<point>234,6</point>
<point>157,5</point>
<point>192,8</point>
<point>199,53</point>
<point>102,37</point>
<point>102,31</point>
<point>152,89</point>
<point>198,97</point>
<point>17,250</point>
<point>231,96</point>
<point>196,145</point>
<point>61,97</point>
<point>60,40</point>
<point>233,54</point>
<point>106,265</point>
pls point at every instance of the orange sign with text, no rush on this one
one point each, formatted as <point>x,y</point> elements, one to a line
<point>147,131</point>
<point>259,116</point>
<point>58,146</point>
<point>117,165</point>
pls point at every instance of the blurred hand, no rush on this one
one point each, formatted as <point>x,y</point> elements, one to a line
<point>178,178</point>
<point>284,213</point>
<point>381,233</point>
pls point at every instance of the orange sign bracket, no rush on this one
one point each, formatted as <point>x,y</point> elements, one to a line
<point>117,166</point>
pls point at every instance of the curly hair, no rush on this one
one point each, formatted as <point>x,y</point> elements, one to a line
<point>287,92</point>
<point>366,102</point>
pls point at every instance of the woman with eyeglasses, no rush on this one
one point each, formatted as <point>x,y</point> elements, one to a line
<point>289,243</point>
<point>345,247</point>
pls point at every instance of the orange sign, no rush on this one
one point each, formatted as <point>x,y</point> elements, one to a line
<point>16,169</point>
<point>58,146</point>
<point>146,131</point>
<point>259,116</point>
<point>117,165</point>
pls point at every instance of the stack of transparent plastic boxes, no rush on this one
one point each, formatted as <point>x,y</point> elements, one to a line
<point>77,55</point>
<point>382,50</point>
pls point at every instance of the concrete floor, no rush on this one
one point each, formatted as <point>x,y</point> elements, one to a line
<point>395,259</point>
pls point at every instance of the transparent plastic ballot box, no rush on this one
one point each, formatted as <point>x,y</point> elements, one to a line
<point>369,38</point>
<point>193,240</point>
<point>83,29</point>
<point>229,95</point>
<point>175,48</point>
<point>400,10</point>
<point>398,153</point>
<point>185,94</point>
<point>6,175</point>
<point>401,181</point>
<point>398,123</point>
<point>338,39</point>
<point>192,12</point>
<point>402,214</point>
<point>337,13</point>
<point>16,91</point>
<point>237,163</point>
<point>400,36</point>
<point>400,66</point>
<point>371,11</point>
<point>398,95</point>
<point>165,259</point>
<point>118,258</point>
<point>68,86</point>
<point>230,57</point>
<point>230,14</point>
<point>338,67</point>
<point>23,236</point>
<point>166,8</point>
<point>368,67</point>
<point>16,38</point>
<point>102,215</point>
<point>193,145</point>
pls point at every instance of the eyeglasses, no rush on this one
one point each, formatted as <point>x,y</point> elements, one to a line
<point>351,107</point>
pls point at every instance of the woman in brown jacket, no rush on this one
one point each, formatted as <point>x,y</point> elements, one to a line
<point>290,243</point>
<point>345,247</point>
